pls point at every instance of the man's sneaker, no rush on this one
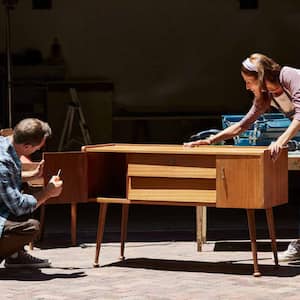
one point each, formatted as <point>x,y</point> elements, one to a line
<point>25,260</point>
<point>291,253</point>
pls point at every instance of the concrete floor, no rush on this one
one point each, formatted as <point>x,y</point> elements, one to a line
<point>161,258</point>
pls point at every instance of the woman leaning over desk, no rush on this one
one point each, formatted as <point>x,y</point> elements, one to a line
<point>272,85</point>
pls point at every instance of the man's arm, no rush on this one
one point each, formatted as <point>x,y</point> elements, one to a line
<point>52,189</point>
<point>17,203</point>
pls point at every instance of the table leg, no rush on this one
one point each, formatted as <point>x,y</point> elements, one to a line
<point>73,223</point>
<point>100,231</point>
<point>252,233</point>
<point>200,226</point>
<point>125,209</point>
<point>271,226</point>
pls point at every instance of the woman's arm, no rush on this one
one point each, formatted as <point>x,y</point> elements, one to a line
<point>237,128</point>
<point>225,134</point>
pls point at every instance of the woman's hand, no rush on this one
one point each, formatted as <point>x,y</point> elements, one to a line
<point>275,149</point>
<point>197,143</point>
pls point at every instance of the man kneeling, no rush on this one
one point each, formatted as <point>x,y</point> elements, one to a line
<point>16,227</point>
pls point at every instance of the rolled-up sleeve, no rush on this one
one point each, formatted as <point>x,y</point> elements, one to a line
<point>290,80</point>
<point>17,202</point>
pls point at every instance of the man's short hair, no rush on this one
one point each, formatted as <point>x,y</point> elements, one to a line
<point>31,131</point>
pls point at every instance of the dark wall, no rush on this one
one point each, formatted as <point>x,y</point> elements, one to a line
<point>171,55</point>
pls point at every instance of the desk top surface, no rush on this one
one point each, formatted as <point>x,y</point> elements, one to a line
<point>176,149</point>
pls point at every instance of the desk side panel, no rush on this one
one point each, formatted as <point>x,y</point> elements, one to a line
<point>73,173</point>
<point>276,180</point>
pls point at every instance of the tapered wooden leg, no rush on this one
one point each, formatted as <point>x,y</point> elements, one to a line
<point>124,222</point>
<point>252,233</point>
<point>73,223</point>
<point>200,226</point>
<point>100,231</point>
<point>271,226</point>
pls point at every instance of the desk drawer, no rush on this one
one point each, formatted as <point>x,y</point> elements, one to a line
<point>172,166</point>
<point>172,189</point>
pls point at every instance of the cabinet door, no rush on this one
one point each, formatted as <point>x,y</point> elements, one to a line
<point>73,166</point>
<point>240,182</point>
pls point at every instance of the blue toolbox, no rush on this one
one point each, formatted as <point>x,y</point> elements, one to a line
<point>263,131</point>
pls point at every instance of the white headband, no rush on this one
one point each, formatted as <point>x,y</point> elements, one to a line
<point>249,65</point>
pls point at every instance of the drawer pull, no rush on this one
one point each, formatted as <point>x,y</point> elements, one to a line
<point>223,173</point>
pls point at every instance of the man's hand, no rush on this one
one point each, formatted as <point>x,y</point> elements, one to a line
<point>38,172</point>
<point>54,187</point>
<point>35,173</point>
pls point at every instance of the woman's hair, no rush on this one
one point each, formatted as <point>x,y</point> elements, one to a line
<point>31,131</point>
<point>262,68</point>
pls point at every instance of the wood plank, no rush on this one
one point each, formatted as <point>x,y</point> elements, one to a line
<point>170,171</point>
<point>172,166</point>
<point>173,183</point>
<point>173,203</point>
<point>172,189</point>
<point>110,200</point>
<point>185,196</point>
<point>143,202</point>
<point>178,149</point>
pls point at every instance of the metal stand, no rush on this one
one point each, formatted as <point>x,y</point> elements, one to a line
<point>9,6</point>
<point>73,107</point>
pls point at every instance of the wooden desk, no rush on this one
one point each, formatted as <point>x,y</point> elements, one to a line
<point>219,176</point>
<point>216,176</point>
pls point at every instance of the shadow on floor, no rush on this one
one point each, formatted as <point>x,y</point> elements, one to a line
<point>35,275</point>
<point>246,246</point>
<point>206,267</point>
